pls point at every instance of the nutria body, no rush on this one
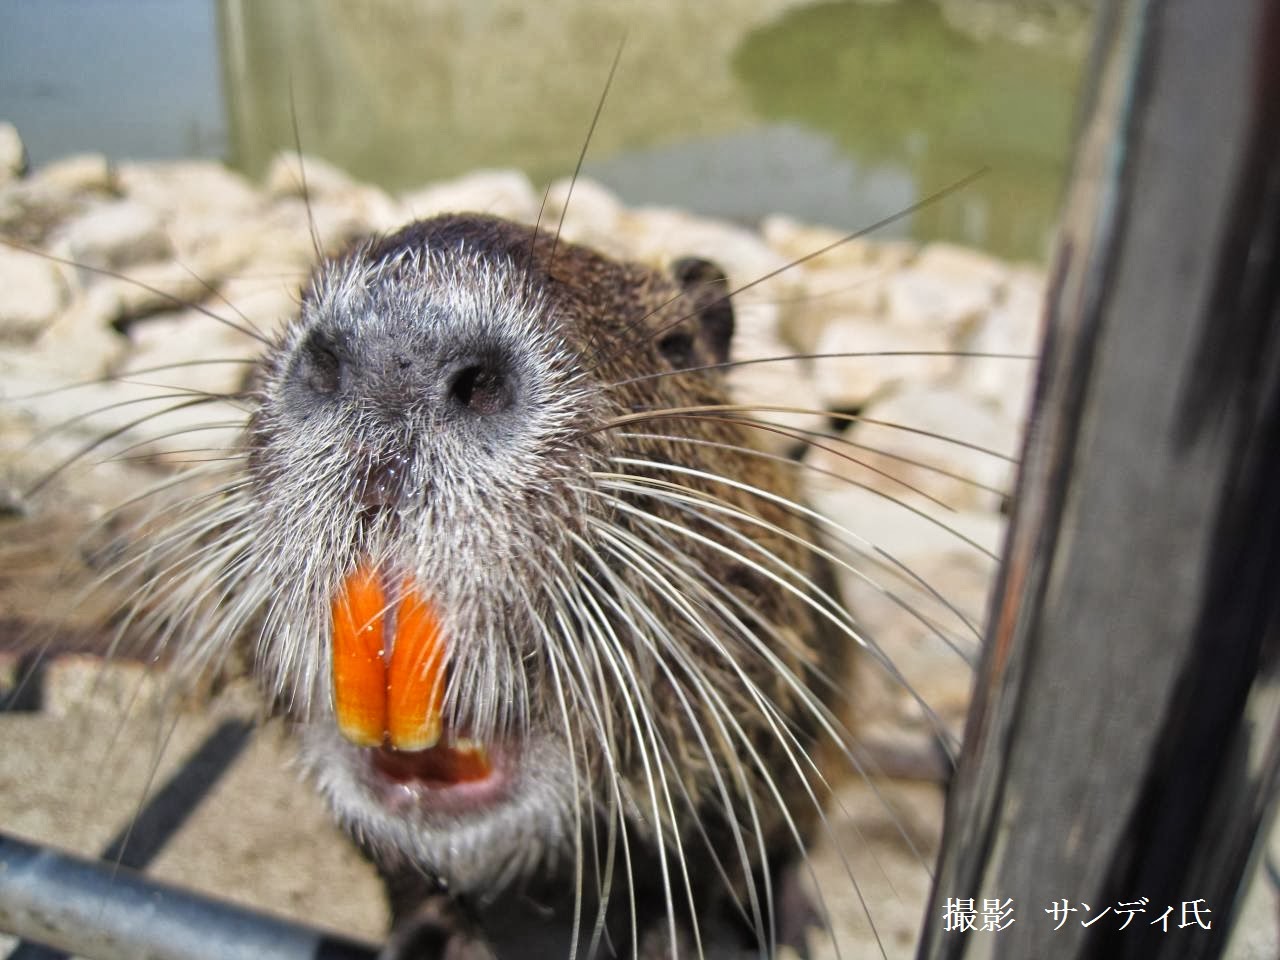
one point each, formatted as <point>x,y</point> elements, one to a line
<point>526,439</point>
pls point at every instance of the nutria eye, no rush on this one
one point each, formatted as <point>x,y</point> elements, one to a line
<point>482,389</point>
<point>678,349</point>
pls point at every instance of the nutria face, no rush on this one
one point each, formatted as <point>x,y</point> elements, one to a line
<point>422,426</point>
<point>506,583</point>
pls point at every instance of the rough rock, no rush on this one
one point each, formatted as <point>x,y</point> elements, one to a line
<point>931,645</point>
<point>13,153</point>
<point>114,235</point>
<point>962,265</point>
<point>30,211</point>
<point>917,297</point>
<point>932,444</point>
<point>80,343</point>
<point>848,374</point>
<point>593,214</point>
<point>79,173</point>
<point>32,292</point>
<point>187,350</point>
<point>291,174</point>
<point>330,191</point>
<point>278,243</point>
<point>1013,326</point>
<point>830,295</point>
<point>658,235</point>
<point>194,187</point>
<point>259,300</point>
<point>873,522</point>
<point>152,288</point>
<point>794,241</point>
<point>769,387</point>
<point>200,204</point>
<point>502,193</point>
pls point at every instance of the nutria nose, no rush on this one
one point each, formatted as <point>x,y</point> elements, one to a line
<point>387,376</point>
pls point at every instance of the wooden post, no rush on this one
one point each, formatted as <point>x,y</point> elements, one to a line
<point>1122,742</point>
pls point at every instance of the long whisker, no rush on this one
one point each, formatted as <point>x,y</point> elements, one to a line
<point>712,408</point>
<point>172,393</point>
<point>604,648</point>
<point>44,479</point>
<point>636,611</point>
<point>215,292</point>
<point>718,597</point>
<point>796,584</point>
<point>141,371</point>
<point>700,584</point>
<point>796,433</point>
<point>617,823</point>
<point>782,358</point>
<point>579,790</point>
<point>625,673</point>
<point>630,344</point>
<point>586,142</point>
<point>703,505</point>
<point>928,518</point>
<point>117,275</point>
<point>800,433</point>
<point>846,537</point>
<point>316,246</point>
<point>767,711</point>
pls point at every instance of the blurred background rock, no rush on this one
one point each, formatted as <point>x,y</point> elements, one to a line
<point>834,112</point>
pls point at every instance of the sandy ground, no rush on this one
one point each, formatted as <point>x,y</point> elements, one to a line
<point>77,772</point>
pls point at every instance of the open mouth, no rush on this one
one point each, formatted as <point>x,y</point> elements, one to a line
<point>452,779</point>
<point>390,674</point>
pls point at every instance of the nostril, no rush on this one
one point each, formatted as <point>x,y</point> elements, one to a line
<point>321,367</point>
<point>481,388</point>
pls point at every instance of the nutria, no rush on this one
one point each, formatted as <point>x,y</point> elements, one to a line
<point>557,636</point>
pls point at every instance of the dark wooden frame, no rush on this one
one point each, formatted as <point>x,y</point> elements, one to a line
<point>1122,742</point>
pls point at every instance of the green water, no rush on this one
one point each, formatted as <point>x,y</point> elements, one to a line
<point>835,112</point>
<point>897,90</point>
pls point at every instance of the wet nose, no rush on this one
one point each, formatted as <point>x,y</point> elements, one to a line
<point>385,375</point>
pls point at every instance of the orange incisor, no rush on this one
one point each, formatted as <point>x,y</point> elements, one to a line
<point>415,676</point>
<point>378,698</point>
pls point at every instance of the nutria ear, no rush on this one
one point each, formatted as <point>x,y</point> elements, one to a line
<point>707,288</point>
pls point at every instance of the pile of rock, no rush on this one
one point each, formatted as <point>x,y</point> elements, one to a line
<point>863,355</point>
<point>879,333</point>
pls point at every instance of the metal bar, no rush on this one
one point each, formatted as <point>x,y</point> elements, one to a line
<point>94,910</point>
<point>1123,739</point>
<point>166,811</point>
